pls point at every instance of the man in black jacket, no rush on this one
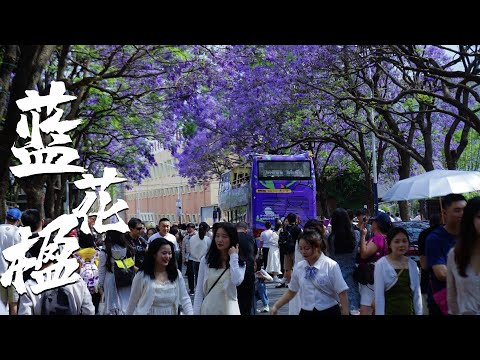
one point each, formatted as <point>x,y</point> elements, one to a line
<point>246,290</point>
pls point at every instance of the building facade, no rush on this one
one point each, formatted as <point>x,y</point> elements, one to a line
<point>167,194</point>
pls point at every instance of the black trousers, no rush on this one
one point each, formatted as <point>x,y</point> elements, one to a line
<point>246,295</point>
<point>265,257</point>
<point>334,310</point>
<point>96,301</point>
<point>190,276</point>
<point>282,261</point>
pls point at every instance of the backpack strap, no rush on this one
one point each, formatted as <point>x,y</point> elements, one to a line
<point>94,257</point>
<point>79,258</point>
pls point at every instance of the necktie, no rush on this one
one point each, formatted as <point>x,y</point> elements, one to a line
<point>310,272</point>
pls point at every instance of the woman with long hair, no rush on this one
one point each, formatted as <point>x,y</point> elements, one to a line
<point>115,297</point>
<point>397,278</point>
<point>221,271</point>
<point>159,288</point>
<point>342,247</point>
<point>463,264</point>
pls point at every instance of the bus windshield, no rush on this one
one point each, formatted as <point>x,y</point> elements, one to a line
<point>269,170</point>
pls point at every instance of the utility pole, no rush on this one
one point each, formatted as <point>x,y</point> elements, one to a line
<point>179,205</point>
<point>374,167</point>
<point>374,156</point>
<point>66,207</point>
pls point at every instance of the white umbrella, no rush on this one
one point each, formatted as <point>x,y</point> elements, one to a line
<point>434,183</point>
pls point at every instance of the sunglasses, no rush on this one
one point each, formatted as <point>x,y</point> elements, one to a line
<point>139,228</point>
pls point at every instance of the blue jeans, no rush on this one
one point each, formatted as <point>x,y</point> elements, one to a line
<point>261,293</point>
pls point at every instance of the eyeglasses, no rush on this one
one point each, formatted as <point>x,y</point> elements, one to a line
<point>139,229</point>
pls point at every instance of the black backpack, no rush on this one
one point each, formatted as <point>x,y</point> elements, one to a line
<point>57,301</point>
<point>285,241</point>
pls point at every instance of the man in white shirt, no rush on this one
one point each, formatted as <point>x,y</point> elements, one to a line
<point>186,257</point>
<point>265,237</point>
<point>163,231</point>
<point>9,236</point>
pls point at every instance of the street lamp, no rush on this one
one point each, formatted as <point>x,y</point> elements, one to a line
<point>178,203</point>
<point>66,205</point>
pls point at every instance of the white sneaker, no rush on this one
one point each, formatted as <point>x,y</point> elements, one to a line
<point>266,309</point>
<point>276,279</point>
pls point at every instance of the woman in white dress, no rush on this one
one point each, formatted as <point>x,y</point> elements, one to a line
<point>159,288</point>
<point>273,261</point>
<point>221,271</point>
<point>116,248</point>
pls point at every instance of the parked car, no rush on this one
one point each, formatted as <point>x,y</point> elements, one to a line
<point>414,228</point>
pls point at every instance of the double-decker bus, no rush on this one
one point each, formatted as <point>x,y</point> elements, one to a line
<point>269,188</point>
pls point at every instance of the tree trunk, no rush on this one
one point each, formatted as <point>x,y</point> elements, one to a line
<point>3,197</point>
<point>33,59</point>
<point>369,194</point>
<point>53,197</point>
<point>60,194</point>
<point>404,173</point>
<point>34,188</point>
<point>50,198</point>
<point>452,155</point>
<point>321,196</point>
<point>7,67</point>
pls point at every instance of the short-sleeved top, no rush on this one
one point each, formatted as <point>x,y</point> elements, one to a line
<point>329,278</point>
<point>9,236</point>
<point>438,244</point>
<point>381,242</point>
<point>422,240</point>
<point>265,237</point>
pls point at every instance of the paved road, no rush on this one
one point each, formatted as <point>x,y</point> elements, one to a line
<point>273,295</point>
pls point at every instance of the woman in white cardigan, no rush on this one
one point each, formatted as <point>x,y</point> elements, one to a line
<point>221,271</point>
<point>397,278</point>
<point>159,288</point>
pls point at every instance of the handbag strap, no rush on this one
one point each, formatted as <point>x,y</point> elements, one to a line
<point>323,291</point>
<point>400,272</point>
<point>215,283</point>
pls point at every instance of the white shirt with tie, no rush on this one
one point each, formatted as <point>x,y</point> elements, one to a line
<point>328,277</point>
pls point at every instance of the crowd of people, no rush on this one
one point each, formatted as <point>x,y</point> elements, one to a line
<point>341,269</point>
